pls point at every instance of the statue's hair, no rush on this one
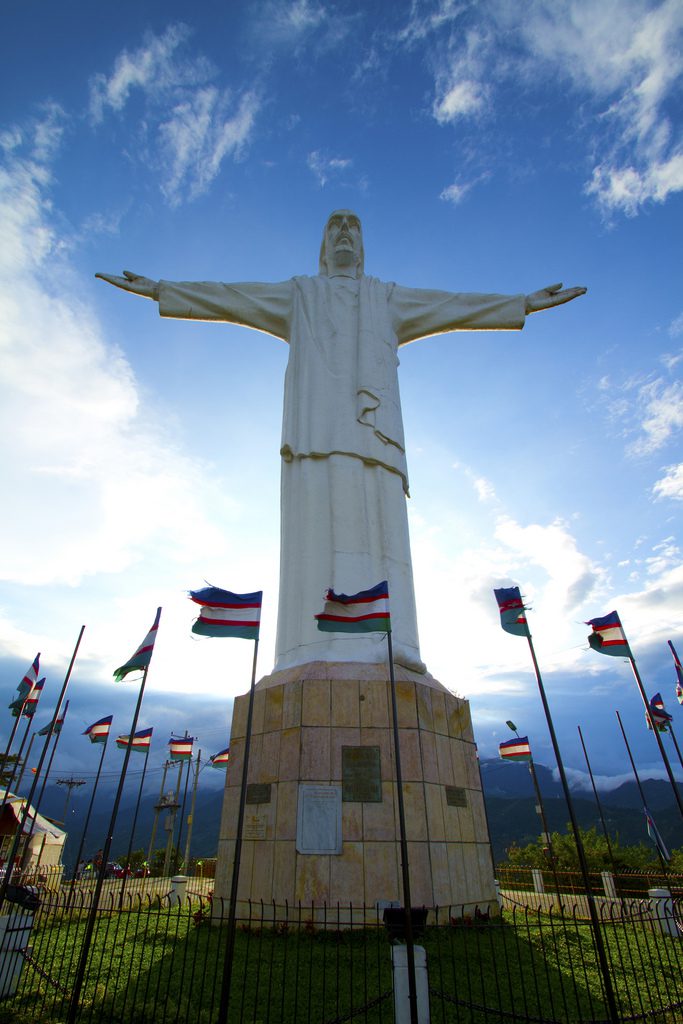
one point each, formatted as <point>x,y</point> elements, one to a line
<point>322,262</point>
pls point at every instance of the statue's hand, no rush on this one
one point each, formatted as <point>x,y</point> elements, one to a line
<point>551,296</point>
<point>133,283</point>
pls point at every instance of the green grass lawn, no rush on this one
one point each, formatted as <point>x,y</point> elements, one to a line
<point>157,965</point>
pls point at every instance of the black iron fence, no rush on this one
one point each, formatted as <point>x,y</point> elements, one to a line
<point>160,958</point>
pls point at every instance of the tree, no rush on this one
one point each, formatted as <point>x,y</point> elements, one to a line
<point>624,858</point>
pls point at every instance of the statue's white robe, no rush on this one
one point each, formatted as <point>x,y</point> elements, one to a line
<point>344,475</point>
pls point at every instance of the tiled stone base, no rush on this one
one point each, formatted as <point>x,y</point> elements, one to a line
<point>302,719</point>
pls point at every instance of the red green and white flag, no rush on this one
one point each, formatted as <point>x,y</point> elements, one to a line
<point>608,637</point>
<point>142,740</point>
<point>142,657</point>
<point>99,731</point>
<point>511,608</point>
<point>58,724</point>
<point>226,614</point>
<point>679,673</point>
<point>25,687</point>
<point>515,750</point>
<point>365,612</point>
<point>221,759</point>
<point>31,702</point>
<point>180,749</point>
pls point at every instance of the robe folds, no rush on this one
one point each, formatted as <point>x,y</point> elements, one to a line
<point>344,475</point>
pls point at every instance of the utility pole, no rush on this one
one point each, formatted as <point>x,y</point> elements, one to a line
<point>70,784</point>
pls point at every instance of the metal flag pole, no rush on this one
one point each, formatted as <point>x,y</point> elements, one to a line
<point>640,788</point>
<point>23,767</point>
<point>57,732</point>
<point>407,903</point>
<point>10,784</point>
<point>157,810</point>
<point>542,814</point>
<point>89,812</point>
<point>190,817</point>
<point>29,799</point>
<point>230,947</point>
<point>598,804</point>
<point>595,921</point>
<point>94,905</point>
<point>657,735</point>
<point>135,821</point>
<point>176,859</point>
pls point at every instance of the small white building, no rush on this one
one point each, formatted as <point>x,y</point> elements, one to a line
<point>42,842</point>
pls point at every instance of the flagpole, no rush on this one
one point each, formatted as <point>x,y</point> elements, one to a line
<point>190,820</point>
<point>176,859</point>
<point>135,821</point>
<point>94,904</point>
<point>230,947</point>
<point>13,852</point>
<point>57,734</point>
<point>660,744</point>
<point>673,737</point>
<point>10,784</point>
<point>7,753</point>
<point>640,789</point>
<point>599,945</point>
<point>407,902</point>
<point>156,817</point>
<point>23,767</point>
<point>90,807</point>
<point>599,805</point>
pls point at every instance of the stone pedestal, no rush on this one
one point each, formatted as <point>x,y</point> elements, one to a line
<point>322,820</point>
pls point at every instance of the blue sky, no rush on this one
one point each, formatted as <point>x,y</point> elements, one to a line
<point>484,150</point>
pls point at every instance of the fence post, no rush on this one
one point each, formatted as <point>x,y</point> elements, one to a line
<point>663,912</point>
<point>608,884</point>
<point>537,875</point>
<point>399,966</point>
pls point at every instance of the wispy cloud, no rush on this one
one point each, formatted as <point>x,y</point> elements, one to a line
<point>622,59</point>
<point>326,167</point>
<point>195,125</point>
<point>671,484</point>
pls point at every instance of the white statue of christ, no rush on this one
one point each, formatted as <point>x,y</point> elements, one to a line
<point>344,481</point>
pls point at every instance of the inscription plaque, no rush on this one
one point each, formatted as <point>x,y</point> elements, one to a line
<point>456,797</point>
<point>361,775</point>
<point>319,819</point>
<point>258,793</point>
<point>254,826</point>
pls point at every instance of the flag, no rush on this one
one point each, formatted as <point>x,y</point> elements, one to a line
<point>511,608</point>
<point>654,835</point>
<point>656,715</point>
<point>142,740</point>
<point>25,687</point>
<point>221,759</point>
<point>31,703</point>
<point>181,749</point>
<point>608,636</point>
<point>365,612</point>
<point>143,655</point>
<point>58,724</point>
<point>99,731</point>
<point>226,614</point>
<point>679,673</point>
<point>515,750</point>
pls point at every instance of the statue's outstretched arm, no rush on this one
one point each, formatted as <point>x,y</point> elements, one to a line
<point>134,283</point>
<point>551,296</point>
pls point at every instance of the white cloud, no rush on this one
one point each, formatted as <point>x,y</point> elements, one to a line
<point>622,58</point>
<point>670,485</point>
<point>195,126</point>
<point>153,67</point>
<point>325,167</point>
<point>676,329</point>
<point>90,476</point>
<point>200,133</point>
<point>662,415</point>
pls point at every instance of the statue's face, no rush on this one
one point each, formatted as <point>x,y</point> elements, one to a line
<point>343,243</point>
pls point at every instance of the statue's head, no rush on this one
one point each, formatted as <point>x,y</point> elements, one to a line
<point>341,252</point>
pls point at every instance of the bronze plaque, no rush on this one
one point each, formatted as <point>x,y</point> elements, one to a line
<point>361,775</point>
<point>456,797</point>
<point>258,793</point>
